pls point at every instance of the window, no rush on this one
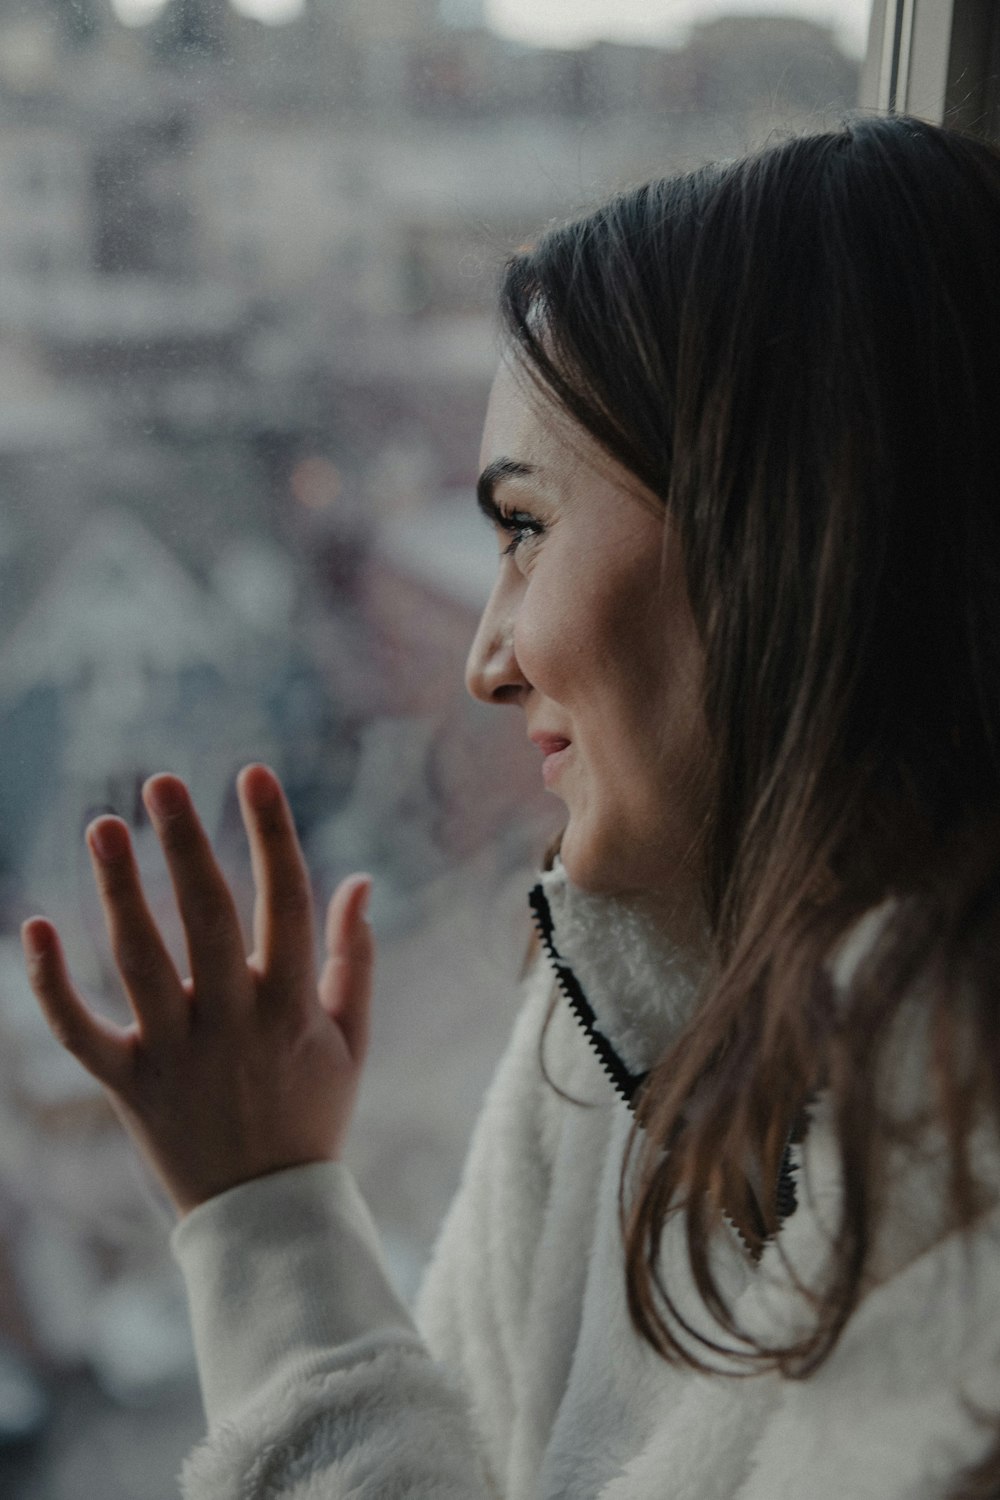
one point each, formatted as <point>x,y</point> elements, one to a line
<point>245,350</point>
<point>939,61</point>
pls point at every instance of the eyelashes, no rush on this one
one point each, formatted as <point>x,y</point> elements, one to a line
<point>520,527</point>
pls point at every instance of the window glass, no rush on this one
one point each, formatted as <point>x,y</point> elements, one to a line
<point>247,268</point>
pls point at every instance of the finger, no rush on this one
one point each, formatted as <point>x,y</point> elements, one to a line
<point>103,1048</point>
<point>216,951</point>
<point>283,914</point>
<point>346,983</point>
<point>151,982</point>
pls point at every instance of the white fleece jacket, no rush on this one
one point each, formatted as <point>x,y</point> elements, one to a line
<point>521,1375</point>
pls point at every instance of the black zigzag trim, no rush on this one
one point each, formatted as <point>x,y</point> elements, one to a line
<point>627,1083</point>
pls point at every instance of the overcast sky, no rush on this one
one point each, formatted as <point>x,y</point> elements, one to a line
<point>582,20</point>
<point>568,22</point>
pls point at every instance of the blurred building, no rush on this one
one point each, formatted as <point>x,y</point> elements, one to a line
<point>247,277</point>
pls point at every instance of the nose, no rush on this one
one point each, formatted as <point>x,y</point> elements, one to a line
<point>492,671</point>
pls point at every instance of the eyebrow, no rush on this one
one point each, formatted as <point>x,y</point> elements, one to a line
<point>492,475</point>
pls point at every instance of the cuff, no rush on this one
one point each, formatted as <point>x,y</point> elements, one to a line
<point>281,1273</point>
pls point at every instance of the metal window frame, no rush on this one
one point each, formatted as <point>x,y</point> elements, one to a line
<point>938,59</point>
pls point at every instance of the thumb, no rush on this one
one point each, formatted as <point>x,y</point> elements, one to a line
<point>345,987</point>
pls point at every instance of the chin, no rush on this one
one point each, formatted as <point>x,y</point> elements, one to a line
<point>603,863</point>
<point>591,865</point>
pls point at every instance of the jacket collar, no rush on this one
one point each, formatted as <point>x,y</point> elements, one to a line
<point>625,981</point>
<point>629,986</point>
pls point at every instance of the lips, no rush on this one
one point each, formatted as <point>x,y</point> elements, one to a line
<point>549,744</point>
<point>553,747</point>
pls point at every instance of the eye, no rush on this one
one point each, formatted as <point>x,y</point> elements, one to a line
<point>520,527</point>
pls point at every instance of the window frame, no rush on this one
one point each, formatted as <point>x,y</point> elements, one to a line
<point>938,59</point>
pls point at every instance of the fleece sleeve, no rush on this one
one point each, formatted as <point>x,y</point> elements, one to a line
<point>314,1379</point>
<point>474,1305</point>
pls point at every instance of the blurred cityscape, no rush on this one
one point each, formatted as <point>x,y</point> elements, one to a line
<point>247,275</point>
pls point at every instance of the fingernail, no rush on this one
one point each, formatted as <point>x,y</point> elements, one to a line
<point>109,839</point>
<point>164,797</point>
<point>35,936</point>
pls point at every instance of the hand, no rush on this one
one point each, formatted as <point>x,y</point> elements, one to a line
<point>252,1064</point>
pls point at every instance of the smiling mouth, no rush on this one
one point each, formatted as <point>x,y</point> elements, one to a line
<point>550,744</point>
<point>555,750</point>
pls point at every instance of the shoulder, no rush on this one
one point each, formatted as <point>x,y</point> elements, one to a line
<point>893,1412</point>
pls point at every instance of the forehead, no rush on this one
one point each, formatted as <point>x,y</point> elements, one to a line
<point>521,424</point>
<point>528,427</point>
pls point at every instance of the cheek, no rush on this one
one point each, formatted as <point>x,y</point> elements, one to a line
<point>553,637</point>
<point>585,639</point>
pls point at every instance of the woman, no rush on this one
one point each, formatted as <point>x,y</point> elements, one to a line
<point>742,459</point>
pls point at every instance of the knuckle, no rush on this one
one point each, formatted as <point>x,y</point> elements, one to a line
<point>286,1026</point>
<point>137,962</point>
<point>177,832</point>
<point>277,830</point>
<point>117,879</point>
<point>273,821</point>
<point>213,930</point>
<point>291,899</point>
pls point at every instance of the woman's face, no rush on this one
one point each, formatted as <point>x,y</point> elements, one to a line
<point>589,633</point>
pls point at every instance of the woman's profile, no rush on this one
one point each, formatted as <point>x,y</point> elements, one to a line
<point>729,1223</point>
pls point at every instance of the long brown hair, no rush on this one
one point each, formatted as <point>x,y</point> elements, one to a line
<point>799,352</point>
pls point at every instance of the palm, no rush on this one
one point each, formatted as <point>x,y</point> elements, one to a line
<point>250,1065</point>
